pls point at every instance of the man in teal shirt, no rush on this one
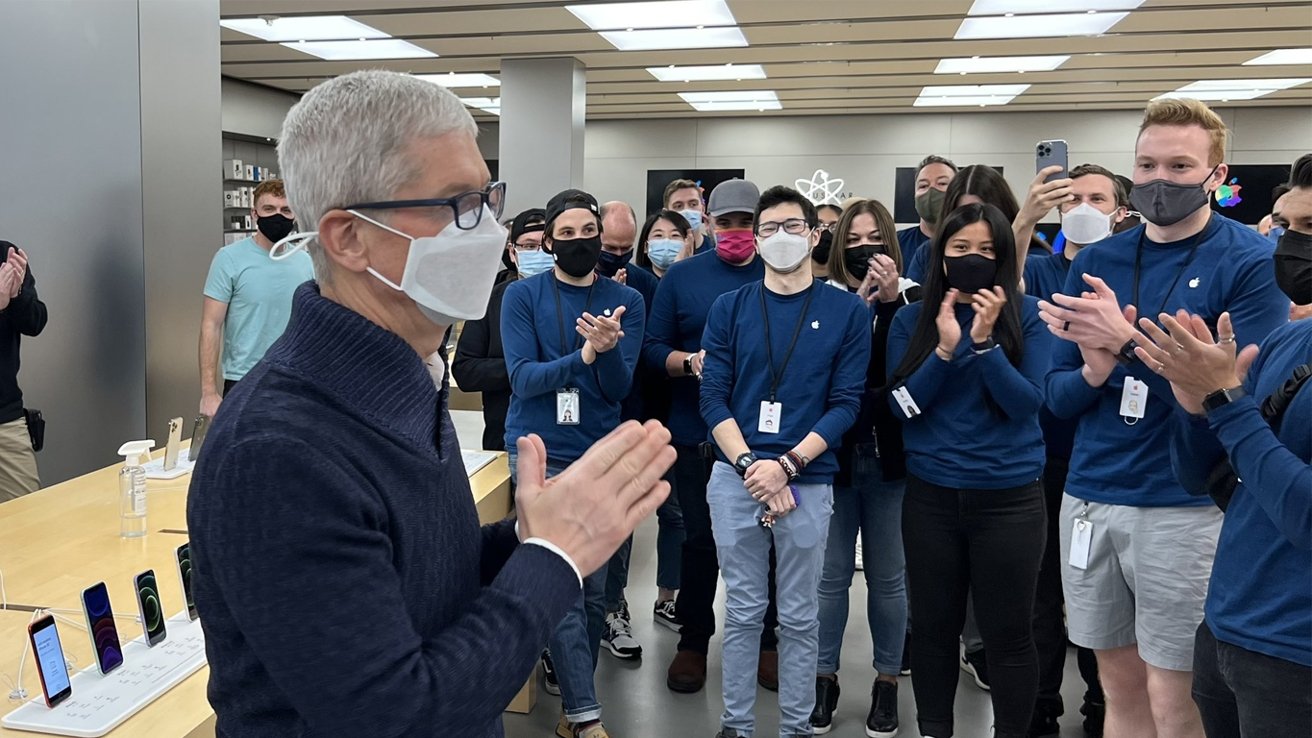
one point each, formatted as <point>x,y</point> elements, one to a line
<point>248,297</point>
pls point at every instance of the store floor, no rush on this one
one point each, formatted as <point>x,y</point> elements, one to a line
<point>637,704</point>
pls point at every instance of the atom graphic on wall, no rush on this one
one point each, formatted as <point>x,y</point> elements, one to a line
<point>820,189</point>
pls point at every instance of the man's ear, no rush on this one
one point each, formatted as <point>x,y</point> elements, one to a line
<point>1222,171</point>
<point>343,240</point>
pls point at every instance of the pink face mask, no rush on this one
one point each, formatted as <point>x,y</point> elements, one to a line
<point>735,246</point>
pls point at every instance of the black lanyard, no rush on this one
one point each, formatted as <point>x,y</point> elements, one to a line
<point>560,315</point>
<point>1138,267</point>
<point>777,376</point>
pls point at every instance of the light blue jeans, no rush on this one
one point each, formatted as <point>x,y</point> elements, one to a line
<point>577,641</point>
<point>874,508</point>
<point>744,550</point>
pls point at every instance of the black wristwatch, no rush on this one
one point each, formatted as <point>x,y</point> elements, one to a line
<point>1126,355</point>
<point>1221,398</point>
<point>687,365</point>
<point>743,463</point>
<point>987,344</point>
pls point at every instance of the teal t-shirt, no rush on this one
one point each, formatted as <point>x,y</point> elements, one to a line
<point>258,292</point>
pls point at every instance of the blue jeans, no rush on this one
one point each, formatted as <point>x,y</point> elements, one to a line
<point>874,507</point>
<point>744,552</point>
<point>576,643</point>
<point>669,555</point>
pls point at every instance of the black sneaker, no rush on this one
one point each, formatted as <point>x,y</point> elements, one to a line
<point>906,657</point>
<point>977,666</point>
<point>882,720</point>
<point>1094,713</point>
<point>665,614</point>
<point>549,675</point>
<point>1044,724</point>
<point>826,705</point>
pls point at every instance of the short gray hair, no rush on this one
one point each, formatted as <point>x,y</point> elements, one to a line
<point>348,140</point>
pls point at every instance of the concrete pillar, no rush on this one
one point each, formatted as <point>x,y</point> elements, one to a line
<point>542,113</point>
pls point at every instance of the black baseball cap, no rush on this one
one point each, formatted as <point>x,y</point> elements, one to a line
<point>569,200</point>
<point>533,219</point>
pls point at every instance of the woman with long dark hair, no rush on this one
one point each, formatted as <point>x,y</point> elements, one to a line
<point>665,238</point>
<point>967,366</point>
<point>866,259</point>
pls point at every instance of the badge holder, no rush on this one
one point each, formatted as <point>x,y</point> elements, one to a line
<point>567,406</point>
<point>1081,540</point>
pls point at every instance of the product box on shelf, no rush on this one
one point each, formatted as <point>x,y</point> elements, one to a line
<point>250,171</point>
<point>230,199</point>
<point>233,169</point>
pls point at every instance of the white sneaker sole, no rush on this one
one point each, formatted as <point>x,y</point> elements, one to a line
<point>620,654</point>
<point>823,730</point>
<point>668,624</point>
<point>881,734</point>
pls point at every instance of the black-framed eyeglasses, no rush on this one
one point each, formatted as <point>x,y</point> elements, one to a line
<point>794,226</point>
<point>466,208</point>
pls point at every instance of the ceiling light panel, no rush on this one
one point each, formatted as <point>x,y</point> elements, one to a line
<point>999,64</point>
<point>306,28</point>
<point>1002,7</point>
<point>383,48</point>
<point>1233,89</point>
<point>707,102</point>
<point>668,14</point>
<point>707,73</point>
<point>961,95</point>
<point>1283,56</point>
<point>675,38</point>
<point>1039,26</point>
<point>455,79</point>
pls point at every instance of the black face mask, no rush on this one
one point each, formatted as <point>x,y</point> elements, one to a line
<point>820,254</point>
<point>857,259</point>
<point>275,227</point>
<point>608,264</point>
<point>970,273</point>
<point>1293,259</point>
<point>577,256</point>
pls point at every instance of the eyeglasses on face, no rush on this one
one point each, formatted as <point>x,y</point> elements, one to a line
<point>466,208</point>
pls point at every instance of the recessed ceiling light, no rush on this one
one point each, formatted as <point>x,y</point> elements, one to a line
<point>1233,89</point>
<point>666,14</point>
<point>1009,7</point>
<point>305,28</point>
<point>486,104</point>
<point>998,64</point>
<point>958,95</point>
<point>706,73</point>
<point>1038,26</point>
<point>452,79</point>
<point>732,100</point>
<point>675,38</point>
<point>1284,56</point>
<point>382,48</point>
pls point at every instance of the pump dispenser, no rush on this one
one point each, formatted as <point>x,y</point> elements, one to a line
<point>132,489</point>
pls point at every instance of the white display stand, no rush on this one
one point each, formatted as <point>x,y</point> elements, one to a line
<point>155,469</point>
<point>99,703</point>
<point>475,460</point>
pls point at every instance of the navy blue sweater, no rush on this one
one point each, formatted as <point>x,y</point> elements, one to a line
<point>1260,597</point>
<point>540,364</point>
<point>1231,270</point>
<point>979,421</point>
<point>820,387</point>
<point>342,580</point>
<point>643,401</point>
<point>1045,276</point>
<point>912,241</point>
<point>678,320</point>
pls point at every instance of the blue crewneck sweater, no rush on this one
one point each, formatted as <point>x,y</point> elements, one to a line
<point>540,365</point>
<point>961,439</point>
<point>820,386</point>
<point>678,320</point>
<point>1260,597</point>
<point>911,241</point>
<point>1045,276</point>
<point>1231,270</point>
<point>342,580</point>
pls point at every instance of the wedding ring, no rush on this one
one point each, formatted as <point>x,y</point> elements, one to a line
<point>1179,349</point>
<point>1227,339</point>
<point>1160,367</point>
<point>1066,327</point>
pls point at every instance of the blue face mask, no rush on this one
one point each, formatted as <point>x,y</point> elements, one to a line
<point>533,263</point>
<point>662,251</point>
<point>694,218</point>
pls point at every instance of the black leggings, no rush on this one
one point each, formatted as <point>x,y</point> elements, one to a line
<point>986,543</point>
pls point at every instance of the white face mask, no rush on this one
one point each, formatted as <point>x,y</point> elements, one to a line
<point>784,252</point>
<point>1084,224</point>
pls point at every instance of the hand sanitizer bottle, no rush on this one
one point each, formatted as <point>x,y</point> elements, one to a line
<point>132,489</point>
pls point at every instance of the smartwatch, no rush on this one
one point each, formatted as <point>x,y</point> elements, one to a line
<point>687,365</point>
<point>984,346</point>
<point>743,463</point>
<point>1126,355</point>
<point>1221,398</point>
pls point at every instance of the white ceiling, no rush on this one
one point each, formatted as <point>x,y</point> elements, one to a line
<point>823,57</point>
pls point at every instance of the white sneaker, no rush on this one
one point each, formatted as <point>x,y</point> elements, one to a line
<point>860,566</point>
<point>665,614</point>
<point>618,637</point>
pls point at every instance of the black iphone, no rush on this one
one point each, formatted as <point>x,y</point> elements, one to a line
<point>100,624</point>
<point>56,684</point>
<point>152,610</point>
<point>184,574</point>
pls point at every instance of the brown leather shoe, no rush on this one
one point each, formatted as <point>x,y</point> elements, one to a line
<point>687,672</point>
<point>767,670</point>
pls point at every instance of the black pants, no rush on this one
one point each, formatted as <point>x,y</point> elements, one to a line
<point>701,566</point>
<point>228,384</point>
<point>985,543</point>
<point>1049,618</point>
<point>1249,694</point>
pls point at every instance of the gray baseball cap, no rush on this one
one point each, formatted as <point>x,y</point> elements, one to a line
<point>733,196</point>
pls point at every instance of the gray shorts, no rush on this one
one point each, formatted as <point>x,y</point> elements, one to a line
<point>1146,578</point>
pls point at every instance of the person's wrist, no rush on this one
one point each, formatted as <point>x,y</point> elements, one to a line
<point>943,353</point>
<point>1094,377</point>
